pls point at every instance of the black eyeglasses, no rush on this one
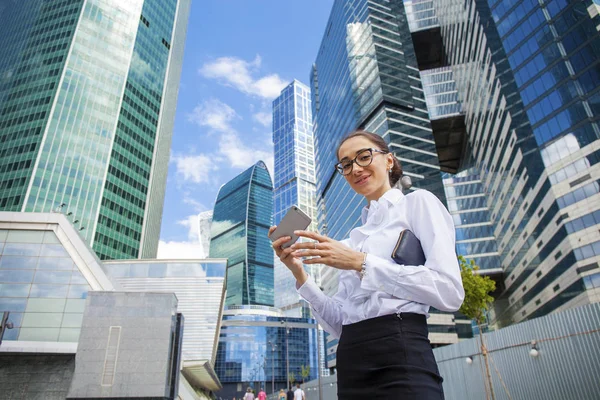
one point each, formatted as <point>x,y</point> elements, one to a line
<point>363,159</point>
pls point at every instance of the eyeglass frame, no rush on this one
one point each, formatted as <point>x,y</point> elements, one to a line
<point>339,168</point>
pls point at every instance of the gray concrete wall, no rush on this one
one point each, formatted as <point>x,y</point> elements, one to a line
<point>142,351</point>
<point>33,377</point>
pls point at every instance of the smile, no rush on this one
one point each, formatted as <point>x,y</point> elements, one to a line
<point>362,180</point>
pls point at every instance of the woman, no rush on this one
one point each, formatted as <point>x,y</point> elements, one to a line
<point>282,395</point>
<point>380,310</point>
<point>249,394</point>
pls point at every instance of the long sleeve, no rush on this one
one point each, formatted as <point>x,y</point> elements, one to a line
<point>438,282</point>
<point>327,310</point>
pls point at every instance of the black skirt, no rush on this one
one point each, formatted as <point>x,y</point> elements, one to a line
<point>388,358</point>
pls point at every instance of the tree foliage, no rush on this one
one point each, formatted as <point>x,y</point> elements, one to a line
<point>292,377</point>
<point>477,291</point>
<point>305,372</point>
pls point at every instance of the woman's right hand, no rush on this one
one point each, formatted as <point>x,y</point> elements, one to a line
<point>294,264</point>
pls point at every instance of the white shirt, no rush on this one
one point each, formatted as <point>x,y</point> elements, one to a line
<point>387,287</point>
<point>299,394</point>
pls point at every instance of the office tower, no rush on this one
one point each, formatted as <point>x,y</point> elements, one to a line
<point>258,346</point>
<point>204,222</point>
<point>294,179</point>
<point>239,232</point>
<point>200,289</point>
<point>366,76</point>
<point>527,74</point>
<point>87,102</point>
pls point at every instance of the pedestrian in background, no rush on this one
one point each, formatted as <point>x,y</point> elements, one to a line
<point>249,395</point>
<point>299,393</point>
<point>262,395</point>
<point>380,310</point>
<point>282,395</point>
<point>290,393</point>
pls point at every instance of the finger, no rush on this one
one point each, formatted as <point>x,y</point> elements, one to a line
<point>281,241</point>
<point>309,253</point>
<point>285,254</point>
<point>315,260</point>
<point>312,235</point>
<point>272,229</point>
<point>305,245</point>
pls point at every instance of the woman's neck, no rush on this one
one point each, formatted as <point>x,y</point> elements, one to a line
<point>375,196</point>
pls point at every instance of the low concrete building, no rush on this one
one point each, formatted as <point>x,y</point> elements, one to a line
<point>47,272</point>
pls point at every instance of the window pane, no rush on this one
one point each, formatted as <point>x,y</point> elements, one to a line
<point>14,290</point>
<point>42,320</point>
<point>54,250</point>
<point>78,291</point>
<point>75,306</point>
<point>72,320</point>
<point>55,263</point>
<point>50,237</point>
<point>69,335</point>
<point>78,279</point>
<point>24,236</point>
<point>53,277</point>
<point>16,276</point>
<point>12,304</point>
<point>46,305</point>
<point>21,249</point>
<point>49,291</point>
<point>15,262</point>
<point>39,334</point>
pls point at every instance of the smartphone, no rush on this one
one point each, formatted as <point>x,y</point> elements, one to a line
<point>294,220</point>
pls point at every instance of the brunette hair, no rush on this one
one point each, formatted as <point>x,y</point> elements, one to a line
<point>382,145</point>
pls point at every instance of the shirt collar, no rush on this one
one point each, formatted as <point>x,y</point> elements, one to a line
<point>389,198</point>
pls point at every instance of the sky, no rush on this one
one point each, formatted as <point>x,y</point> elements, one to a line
<point>239,54</point>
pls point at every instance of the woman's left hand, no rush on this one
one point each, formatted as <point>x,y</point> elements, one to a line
<point>327,251</point>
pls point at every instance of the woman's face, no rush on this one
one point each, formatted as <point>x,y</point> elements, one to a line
<point>373,180</point>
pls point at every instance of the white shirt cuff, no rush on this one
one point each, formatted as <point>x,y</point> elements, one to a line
<point>311,292</point>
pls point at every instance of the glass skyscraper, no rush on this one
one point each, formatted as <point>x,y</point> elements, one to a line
<point>239,232</point>
<point>87,101</point>
<point>294,179</point>
<point>527,74</point>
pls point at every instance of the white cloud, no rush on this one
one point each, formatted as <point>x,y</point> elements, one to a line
<point>191,248</point>
<point>195,168</point>
<point>196,205</point>
<point>263,118</point>
<point>191,222</point>
<point>242,156</point>
<point>214,114</point>
<point>179,250</point>
<point>237,73</point>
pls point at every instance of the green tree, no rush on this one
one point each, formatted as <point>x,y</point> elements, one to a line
<point>305,372</point>
<point>477,301</point>
<point>291,379</point>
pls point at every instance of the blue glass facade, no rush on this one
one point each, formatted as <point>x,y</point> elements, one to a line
<point>241,220</point>
<point>365,76</point>
<point>527,74</point>
<point>294,178</point>
<point>85,119</point>
<point>255,350</point>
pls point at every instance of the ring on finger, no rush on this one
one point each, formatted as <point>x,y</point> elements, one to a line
<point>316,245</point>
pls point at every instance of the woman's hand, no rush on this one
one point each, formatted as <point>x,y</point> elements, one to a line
<point>327,251</point>
<point>285,255</point>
